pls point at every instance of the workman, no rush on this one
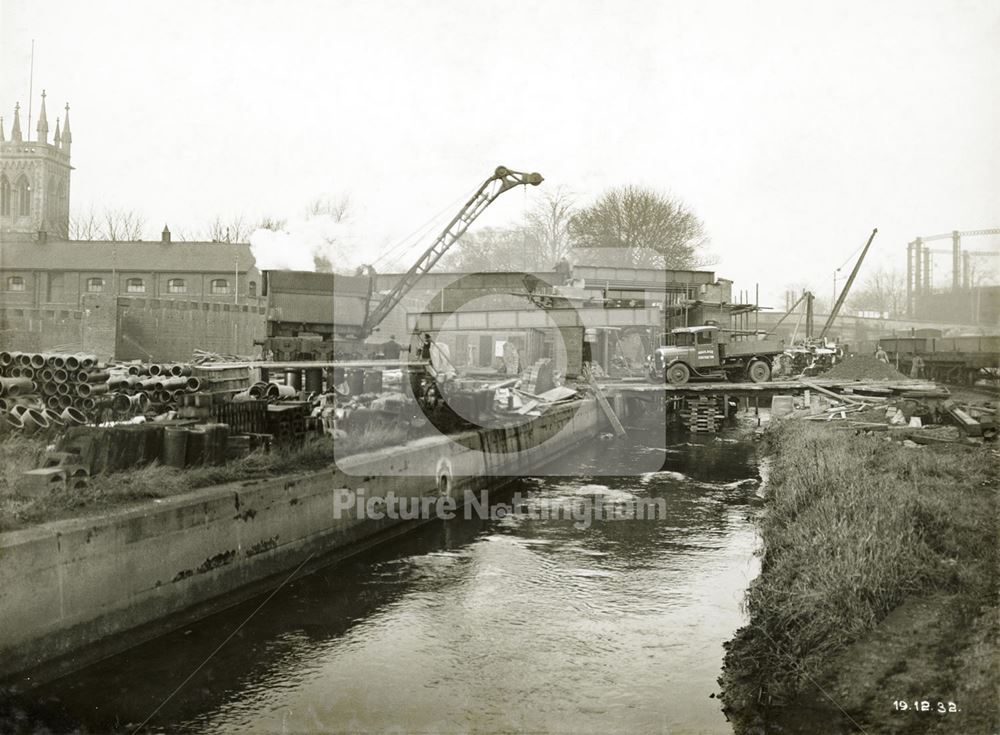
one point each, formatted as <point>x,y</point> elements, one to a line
<point>425,347</point>
<point>881,355</point>
<point>392,349</point>
<point>917,367</point>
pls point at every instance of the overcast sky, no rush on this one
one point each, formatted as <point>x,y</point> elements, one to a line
<point>791,128</point>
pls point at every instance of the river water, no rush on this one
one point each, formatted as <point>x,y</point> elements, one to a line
<point>516,624</point>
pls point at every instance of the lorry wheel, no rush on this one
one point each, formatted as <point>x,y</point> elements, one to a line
<point>678,374</point>
<point>759,372</point>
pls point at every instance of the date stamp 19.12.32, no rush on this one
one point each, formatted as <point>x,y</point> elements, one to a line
<point>925,705</point>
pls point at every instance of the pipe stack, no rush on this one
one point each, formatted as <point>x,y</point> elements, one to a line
<point>38,389</point>
<point>137,388</point>
<point>59,381</point>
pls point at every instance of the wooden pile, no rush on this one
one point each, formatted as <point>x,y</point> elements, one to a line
<point>702,415</point>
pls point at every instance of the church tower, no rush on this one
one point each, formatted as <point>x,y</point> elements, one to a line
<point>34,179</point>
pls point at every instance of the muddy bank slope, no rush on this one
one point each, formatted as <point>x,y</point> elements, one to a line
<point>876,607</point>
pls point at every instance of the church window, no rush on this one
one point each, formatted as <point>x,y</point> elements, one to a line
<point>23,197</point>
<point>4,196</point>
<point>135,285</point>
<point>253,289</point>
<point>176,285</point>
<point>95,285</point>
<point>15,283</point>
<point>220,285</point>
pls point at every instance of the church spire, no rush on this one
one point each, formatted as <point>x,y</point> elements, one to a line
<point>15,130</point>
<point>43,123</point>
<point>67,136</point>
<point>57,138</point>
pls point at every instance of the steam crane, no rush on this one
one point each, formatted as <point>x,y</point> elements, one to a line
<point>815,355</point>
<point>501,180</point>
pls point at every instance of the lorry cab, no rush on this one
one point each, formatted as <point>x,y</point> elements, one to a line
<point>697,346</point>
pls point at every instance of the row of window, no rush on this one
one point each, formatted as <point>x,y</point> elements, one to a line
<point>138,285</point>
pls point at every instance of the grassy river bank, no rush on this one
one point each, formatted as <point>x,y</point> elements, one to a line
<point>878,589</point>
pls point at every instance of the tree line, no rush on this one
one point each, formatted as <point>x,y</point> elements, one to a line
<point>626,226</point>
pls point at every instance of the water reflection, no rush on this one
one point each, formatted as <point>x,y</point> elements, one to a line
<point>517,624</point>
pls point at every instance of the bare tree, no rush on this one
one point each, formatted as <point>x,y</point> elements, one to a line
<point>649,228</point>
<point>339,208</point>
<point>235,228</point>
<point>85,225</point>
<point>492,249</point>
<point>981,272</point>
<point>547,223</point>
<point>110,223</point>
<point>275,224</point>
<point>883,291</point>
<point>121,225</point>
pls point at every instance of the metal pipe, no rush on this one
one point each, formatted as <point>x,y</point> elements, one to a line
<point>73,416</point>
<point>15,386</point>
<point>140,402</point>
<point>53,417</point>
<point>120,402</point>
<point>86,376</point>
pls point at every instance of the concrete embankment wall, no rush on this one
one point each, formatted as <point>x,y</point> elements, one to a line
<point>74,591</point>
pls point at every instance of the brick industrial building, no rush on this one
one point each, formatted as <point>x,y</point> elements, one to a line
<point>151,300</point>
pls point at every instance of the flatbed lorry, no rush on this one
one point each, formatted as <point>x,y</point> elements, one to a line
<point>705,352</point>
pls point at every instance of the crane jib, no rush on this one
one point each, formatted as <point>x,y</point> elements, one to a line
<point>502,179</point>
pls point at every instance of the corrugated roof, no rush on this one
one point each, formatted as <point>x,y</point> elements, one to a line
<point>84,255</point>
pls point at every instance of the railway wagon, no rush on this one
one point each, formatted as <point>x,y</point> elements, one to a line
<point>948,359</point>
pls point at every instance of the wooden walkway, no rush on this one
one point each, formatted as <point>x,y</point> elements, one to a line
<point>879,387</point>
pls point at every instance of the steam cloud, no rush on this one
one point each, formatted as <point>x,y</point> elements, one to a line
<point>302,241</point>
